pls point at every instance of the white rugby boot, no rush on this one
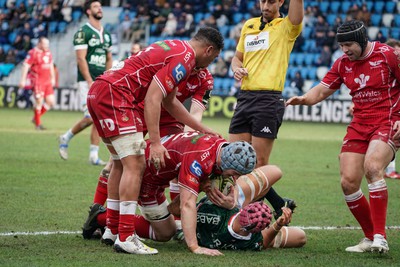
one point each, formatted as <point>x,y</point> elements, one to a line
<point>62,147</point>
<point>108,237</point>
<point>133,245</point>
<point>363,246</point>
<point>380,244</point>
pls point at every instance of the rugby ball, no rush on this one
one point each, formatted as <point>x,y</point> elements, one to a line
<point>223,184</point>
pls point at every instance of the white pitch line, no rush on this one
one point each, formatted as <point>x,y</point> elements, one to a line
<point>318,228</point>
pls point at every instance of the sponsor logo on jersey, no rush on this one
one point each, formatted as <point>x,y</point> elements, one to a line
<point>191,87</point>
<point>257,42</point>
<point>375,64</point>
<point>107,38</point>
<point>80,37</point>
<point>169,82</point>
<point>202,74</point>
<point>205,155</point>
<point>163,45</point>
<point>208,218</point>
<point>348,70</point>
<point>94,41</point>
<point>179,72</point>
<point>195,168</point>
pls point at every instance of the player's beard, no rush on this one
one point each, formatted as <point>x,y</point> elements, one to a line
<point>98,16</point>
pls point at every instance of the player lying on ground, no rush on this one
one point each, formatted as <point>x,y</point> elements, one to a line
<point>245,226</point>
<point>193,157</point>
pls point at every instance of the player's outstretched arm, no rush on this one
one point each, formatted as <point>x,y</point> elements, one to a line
<point>313,96</point>
<point>189,221</point>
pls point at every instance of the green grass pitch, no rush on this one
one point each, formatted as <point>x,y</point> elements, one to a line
<point>42,194</point>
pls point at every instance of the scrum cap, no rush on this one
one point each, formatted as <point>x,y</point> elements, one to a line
<point>353,31</point>
<point>255,217</point>
<point>239,156</point>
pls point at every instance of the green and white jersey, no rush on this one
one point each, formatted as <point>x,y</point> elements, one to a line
<point>214,229</point>
<point>98,44</point>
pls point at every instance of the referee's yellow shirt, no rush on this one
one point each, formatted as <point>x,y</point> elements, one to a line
<point>266,53</point>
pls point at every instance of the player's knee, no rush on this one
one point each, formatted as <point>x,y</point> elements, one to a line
<point>165,234</point>
<point>348,186</point>
<point>130,144</point>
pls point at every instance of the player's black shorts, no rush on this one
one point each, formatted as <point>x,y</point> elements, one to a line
<point>259,113</point>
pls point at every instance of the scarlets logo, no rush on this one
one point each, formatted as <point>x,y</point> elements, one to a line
<point>362,80</point>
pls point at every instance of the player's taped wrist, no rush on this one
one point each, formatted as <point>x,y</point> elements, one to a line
<point>275,229</point>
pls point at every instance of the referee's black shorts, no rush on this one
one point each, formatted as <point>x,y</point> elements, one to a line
<point>259,113</point>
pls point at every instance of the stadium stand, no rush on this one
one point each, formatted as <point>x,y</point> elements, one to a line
<point>384,17</point>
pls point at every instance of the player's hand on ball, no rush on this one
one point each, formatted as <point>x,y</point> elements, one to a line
<point>222,200</point>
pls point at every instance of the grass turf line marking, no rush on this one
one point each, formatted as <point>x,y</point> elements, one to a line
<point>318,228</point>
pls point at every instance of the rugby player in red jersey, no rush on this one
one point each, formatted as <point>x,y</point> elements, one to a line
<point>152,75</point>
<point>371,71</point>
<point>40,60</point>
<point>193,157</point>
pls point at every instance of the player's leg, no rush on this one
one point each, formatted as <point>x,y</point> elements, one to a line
<point>286,237</point>
<point>263,147</point>
<point>390,171</point>
<point>378,156</point>
<point>37,107</point>
<point>255,185</point>
<point>94,148</point>
<point>100,195</point>
<point>352,172</point>
<point>160,223</point>
<point>130,150</point>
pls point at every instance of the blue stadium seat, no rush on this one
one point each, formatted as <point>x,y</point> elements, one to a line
<point>6,47</point>
<point>197,17</point>
<point>11,36</point>
<point>395,33</point>
<point>237,17</point>
<point>309,59</point>
<point>324,6</point>
<point>230,43</point>
<point>369,4</point>
<point>330,18</point>
<point>396,21</point>
<point>132,15</point>
<point>6,68</point>
<point>53,27</point>
<point>312,73</point>
<point>376,19</point>
<point>385,31</point>
<point>224,31</point>
<point>299,60</point>
<point>378,7</point>
<point>292,72</point>
<point>307,32</point>
<point>218,83</point>
<point>76,15</point>
<point>62,26</point>
<point>345,6</point>
<point>292,58</point>
<point>334,7</point>
<point>390,6</point>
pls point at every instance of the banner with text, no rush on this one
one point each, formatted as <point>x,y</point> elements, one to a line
<point>330,110</point>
